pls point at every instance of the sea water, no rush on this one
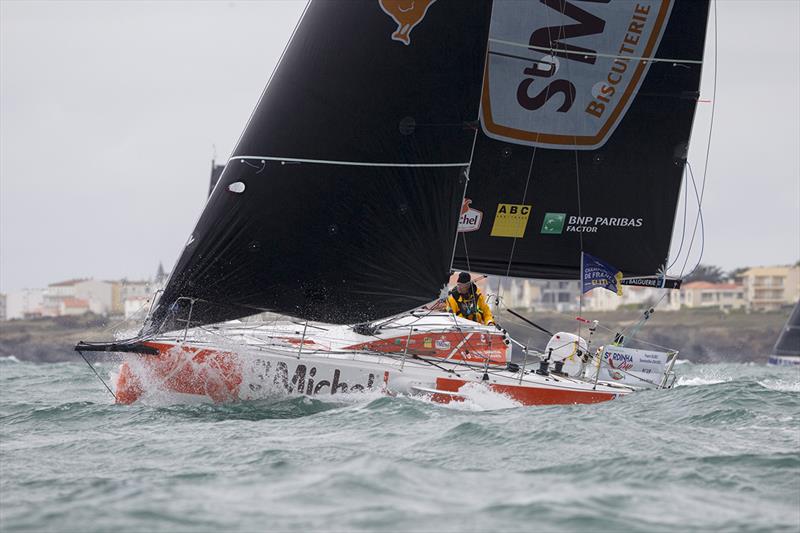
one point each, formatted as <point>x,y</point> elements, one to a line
<point>719,451</point>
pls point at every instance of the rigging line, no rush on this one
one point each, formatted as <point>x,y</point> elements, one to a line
<point>708,143</point>
<point>683,231</point>
<point>242,158</point>
<point>531,322</point>
<point>98,376</point>
<point>466,253</point>
<point>524,197</point>
<point>634,337</point>
<point>634,329</point>
<point>469,168</point>
<point>580,236</point>
<point>465,338</point>
<point>598,54</point>
<point>702,229</point>
<point>562,31</point>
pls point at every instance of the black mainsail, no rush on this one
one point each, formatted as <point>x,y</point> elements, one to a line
<point>340,202</point>
<point>587,111</point>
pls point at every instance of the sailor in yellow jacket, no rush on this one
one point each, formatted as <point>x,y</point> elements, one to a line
<point>467,301</point>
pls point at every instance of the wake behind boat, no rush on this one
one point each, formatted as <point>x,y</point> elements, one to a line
<point>397,141</point>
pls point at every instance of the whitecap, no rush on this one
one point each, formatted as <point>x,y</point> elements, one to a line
<point>10,359</point>
<point>698,381</point>
<point>780,385</point>
<point>477,397</point>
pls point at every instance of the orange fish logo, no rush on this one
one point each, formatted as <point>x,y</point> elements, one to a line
<point>407,14</point>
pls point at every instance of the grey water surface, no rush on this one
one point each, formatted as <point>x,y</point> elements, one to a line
<point>721,451</point>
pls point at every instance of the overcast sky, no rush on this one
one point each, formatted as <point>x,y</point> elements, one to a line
<point>109,112</point>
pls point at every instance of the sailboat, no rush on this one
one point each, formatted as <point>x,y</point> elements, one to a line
<point>399,140</point>
<point>786,351</point>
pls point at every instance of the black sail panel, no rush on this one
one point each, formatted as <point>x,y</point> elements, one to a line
<point>590,165</point>
<point>788,342</point>
<point>340,202</point>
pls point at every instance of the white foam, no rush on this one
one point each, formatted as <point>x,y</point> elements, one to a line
<point>10,359</point>
<point>477,397</point>
<point>699,381</point>
<point>780,385</point>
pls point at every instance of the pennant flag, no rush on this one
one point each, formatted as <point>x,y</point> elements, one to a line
<point>597,273</point>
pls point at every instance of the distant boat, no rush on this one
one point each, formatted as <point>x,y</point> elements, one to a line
<point>787,349</point>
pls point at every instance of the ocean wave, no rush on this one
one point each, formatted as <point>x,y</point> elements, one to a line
<point>780,385</point>
<point>474,397</point>
<point>698,381</point>
<point>9,359</point>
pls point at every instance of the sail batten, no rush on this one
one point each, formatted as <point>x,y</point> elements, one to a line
<point>348,163</point>
<point>593,54</point>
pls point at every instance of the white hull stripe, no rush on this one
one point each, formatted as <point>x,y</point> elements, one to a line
<point>344,163</point>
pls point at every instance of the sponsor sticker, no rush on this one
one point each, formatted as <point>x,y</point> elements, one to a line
<point>562,74</point>
<point>469,219</point>
<point>511,220</point>
<point>427,342</point>
<point>553,223</point>
<point>442,344</point>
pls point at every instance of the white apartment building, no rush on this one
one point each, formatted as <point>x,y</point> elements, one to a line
<point>725,296</point>
<point>770,288</point>
<point>24,303</point>
<point>97,293</point>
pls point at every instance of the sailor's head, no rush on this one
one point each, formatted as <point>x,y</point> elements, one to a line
<point>464,282</point>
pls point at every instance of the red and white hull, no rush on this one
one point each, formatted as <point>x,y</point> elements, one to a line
<point>424,359</point>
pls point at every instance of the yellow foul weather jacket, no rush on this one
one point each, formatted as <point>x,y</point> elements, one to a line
<point>471,306</point>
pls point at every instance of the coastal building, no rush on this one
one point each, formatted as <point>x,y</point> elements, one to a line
<point>770,288</point>
<point>136,290</point>
<point>136,306</point>
<point>98,295</point>
<point>558,295</point>
<point>117,305</point>
<point>517,293</point>
<point>24,303</point>
<point>633,296</point>
<point>58,291</point>
<point>73,307</point>
<point>724,296</point>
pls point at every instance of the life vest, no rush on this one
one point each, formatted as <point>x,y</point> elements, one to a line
<point>468,304</point>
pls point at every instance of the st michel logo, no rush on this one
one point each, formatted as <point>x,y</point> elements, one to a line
<point>407,14</point>
<point>562,73</point>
